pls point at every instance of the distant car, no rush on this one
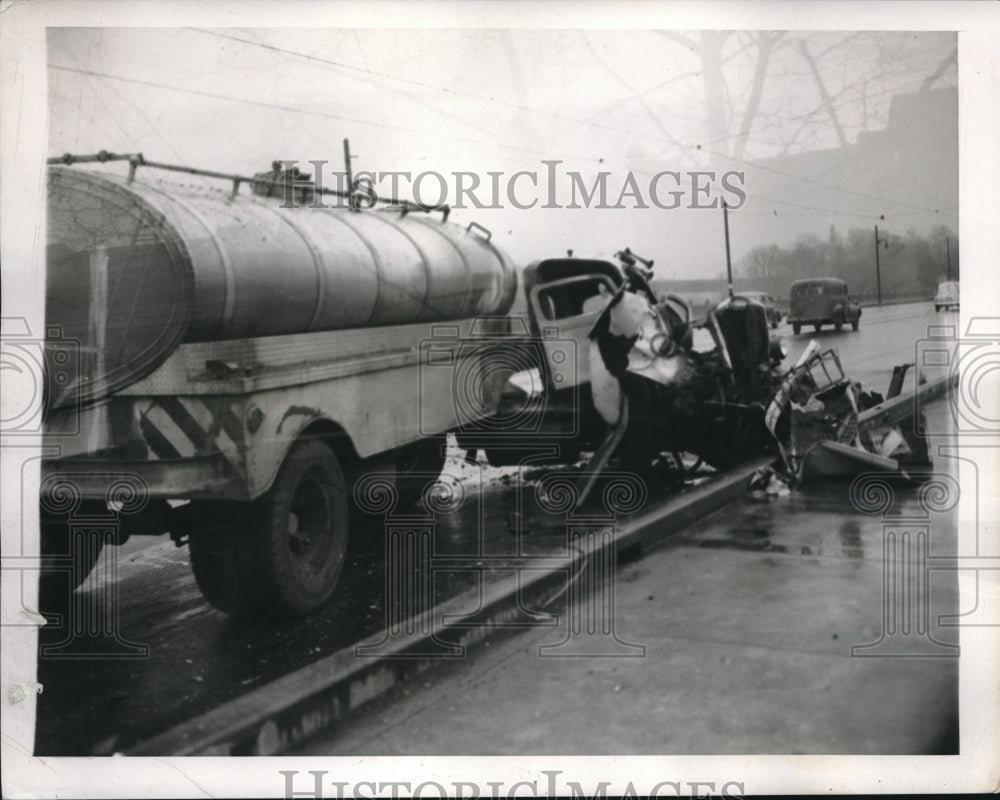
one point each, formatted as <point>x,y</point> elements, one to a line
<point>770,309</point>
<point>947,296</point>
<point>822,301</point>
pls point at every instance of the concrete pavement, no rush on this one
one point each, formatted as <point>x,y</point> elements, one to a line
<point>747,624</point>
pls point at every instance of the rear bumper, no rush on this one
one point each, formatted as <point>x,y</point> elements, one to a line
<point>204,477</point>
<point>828,320</point>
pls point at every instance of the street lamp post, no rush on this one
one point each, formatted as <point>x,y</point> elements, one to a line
<point>878,270</point>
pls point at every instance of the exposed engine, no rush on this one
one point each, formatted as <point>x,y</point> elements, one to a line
<point>676,399</point>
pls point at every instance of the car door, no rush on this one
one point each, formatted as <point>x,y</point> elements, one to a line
<point>817,301</point>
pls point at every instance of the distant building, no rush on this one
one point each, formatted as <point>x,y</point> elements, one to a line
<point>904,172</point>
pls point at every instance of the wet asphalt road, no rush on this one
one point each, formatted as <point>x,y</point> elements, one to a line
<point>747,620</point>
<point>198,657</point>
<point>887,336</point>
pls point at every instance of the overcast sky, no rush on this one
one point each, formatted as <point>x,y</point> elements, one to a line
<point>625,102</point>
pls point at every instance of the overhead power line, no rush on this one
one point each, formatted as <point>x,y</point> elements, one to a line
<point>446,90</point>
<point>454,137</point>
<point>812,208</point>
<point>292,109</point>
<point>433,87</point>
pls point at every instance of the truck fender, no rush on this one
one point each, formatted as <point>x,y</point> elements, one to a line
<point>297,423</point>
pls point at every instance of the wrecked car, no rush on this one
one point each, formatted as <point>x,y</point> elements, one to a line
<point>616,374</point>
<point>832,428</point>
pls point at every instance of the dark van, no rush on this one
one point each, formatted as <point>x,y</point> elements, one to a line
<point>822,301</point>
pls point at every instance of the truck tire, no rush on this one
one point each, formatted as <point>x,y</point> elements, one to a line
<point>417,464</point>
<point>817,326</point>
<point>838,325</point>
<point>854,324</point>
<point>214,533</point>
<point>280,556</point>
<point>796,328</point>
<point>297,536</point>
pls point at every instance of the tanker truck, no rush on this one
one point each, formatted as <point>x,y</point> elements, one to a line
<point>222,361</point>
<point>224,365</point>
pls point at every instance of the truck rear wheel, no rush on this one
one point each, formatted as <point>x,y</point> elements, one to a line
<point>796,328</point>
<point>284,555</point>
<point>298,533</point>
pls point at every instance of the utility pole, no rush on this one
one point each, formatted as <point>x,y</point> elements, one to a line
<point>350,176</point>
<point>878,270</point>
<point>947,245</point>
<point>729,263</point>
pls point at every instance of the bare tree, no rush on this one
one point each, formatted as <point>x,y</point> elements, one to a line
<point>760,261</point>
<point>722,116</point>
<point>746,76</point>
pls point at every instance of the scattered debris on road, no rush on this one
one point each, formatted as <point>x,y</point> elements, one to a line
<point>815,420</point>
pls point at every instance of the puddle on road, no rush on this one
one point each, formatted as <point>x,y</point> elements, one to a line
<point>817,520</point>
<point>752,539</point>
<point>850,539</point>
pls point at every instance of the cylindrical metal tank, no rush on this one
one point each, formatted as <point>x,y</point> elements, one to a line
<point>136,268</point>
